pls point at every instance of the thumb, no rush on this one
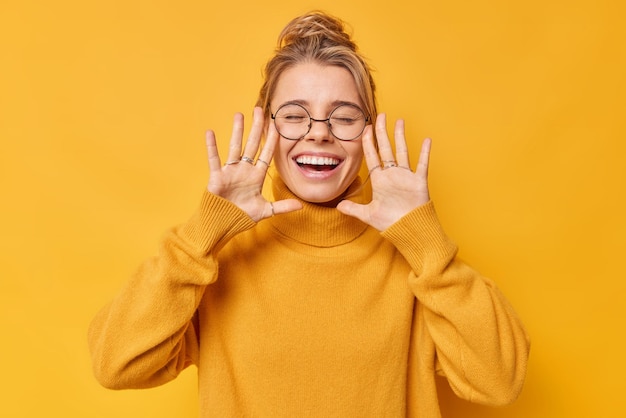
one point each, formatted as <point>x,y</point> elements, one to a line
<point>285,206</point>
<point>355,210</point>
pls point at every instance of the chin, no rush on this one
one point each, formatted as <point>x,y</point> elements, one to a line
<point>321,195</point>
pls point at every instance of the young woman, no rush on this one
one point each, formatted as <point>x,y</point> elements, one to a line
<point>322,301</point>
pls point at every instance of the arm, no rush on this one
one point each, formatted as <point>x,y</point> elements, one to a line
<point>481,345</point>
<point>147,334</point>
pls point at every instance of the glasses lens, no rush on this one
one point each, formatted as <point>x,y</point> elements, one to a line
<point>292,121</point>
<point>347,122</point>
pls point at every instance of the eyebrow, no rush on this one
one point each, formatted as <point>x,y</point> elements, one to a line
<point>306,103</point>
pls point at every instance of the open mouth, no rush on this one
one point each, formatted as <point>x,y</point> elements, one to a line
<point>316,163</point>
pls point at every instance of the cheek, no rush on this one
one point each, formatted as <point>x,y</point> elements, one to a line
<point>280,155</point>
<point>356,153</point>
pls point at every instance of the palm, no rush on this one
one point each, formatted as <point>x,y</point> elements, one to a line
<point>396,190</point>
<point>240,180</point>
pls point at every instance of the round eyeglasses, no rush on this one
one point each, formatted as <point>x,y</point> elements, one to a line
<point>346,122</point>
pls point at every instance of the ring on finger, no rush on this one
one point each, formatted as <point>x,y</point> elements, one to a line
<point>262,161</point>
<point>232,162</point>
<point>272,208</point>
<point>247,160</point>
<point>389,163</point>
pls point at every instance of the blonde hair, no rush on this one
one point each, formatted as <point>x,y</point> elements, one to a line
<point>321,38</point>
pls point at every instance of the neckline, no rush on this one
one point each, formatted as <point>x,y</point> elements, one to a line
<point>316,225</point>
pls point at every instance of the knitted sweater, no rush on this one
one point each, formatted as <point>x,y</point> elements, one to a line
<point>311,314</point>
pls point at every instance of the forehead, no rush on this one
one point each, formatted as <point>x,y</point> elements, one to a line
<point>318,86</point>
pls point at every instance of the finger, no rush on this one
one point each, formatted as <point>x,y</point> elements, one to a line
<point>422,165</point>
<point>384,145</point>
<point>212,152</point>
<point>271,140</point>
<point>369,149</point>
<point>254,137</point>
<point>356,210</point>
<point>234,150</point>
<point>282,206</point>
<point>402,152</point>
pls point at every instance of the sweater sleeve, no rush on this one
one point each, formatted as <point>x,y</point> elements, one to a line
<point>147,334</point>
<point>481,345</point>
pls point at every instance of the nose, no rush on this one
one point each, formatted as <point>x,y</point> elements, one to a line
<point>320,131</point>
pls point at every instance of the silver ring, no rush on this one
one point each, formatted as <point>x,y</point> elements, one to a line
<point>272,207</point>
<point>389,163</point>
<point>247,160</point>
<point>231,162</point>
<point>262,161</point>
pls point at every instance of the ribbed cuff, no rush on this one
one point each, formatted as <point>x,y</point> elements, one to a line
<point>215,222</point>
<point>419,237</point>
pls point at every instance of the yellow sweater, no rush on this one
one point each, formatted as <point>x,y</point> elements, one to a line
<point>311,314</point>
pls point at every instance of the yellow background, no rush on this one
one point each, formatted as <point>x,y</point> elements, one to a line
<point>103,108</point>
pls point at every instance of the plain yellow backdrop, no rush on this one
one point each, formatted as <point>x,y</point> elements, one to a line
<point>103,108</point>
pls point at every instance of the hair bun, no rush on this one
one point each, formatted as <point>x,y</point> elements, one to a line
<point>319,38</point>
<point>316,27</point>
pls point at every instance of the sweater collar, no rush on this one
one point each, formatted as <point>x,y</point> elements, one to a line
<point>317,225</point>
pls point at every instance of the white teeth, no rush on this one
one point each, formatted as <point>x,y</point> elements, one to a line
<point>311,160</point>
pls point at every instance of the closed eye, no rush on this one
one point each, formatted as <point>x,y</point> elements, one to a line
<point>294,118</point>
<point>344,120</point>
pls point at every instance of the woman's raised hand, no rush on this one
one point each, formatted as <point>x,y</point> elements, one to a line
<point>396,189</point>
<point>240,179</point>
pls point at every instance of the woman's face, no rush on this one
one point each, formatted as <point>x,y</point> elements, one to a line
<point>319,167</point>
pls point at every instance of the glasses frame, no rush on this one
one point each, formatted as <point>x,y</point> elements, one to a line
<point>327,121</point>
